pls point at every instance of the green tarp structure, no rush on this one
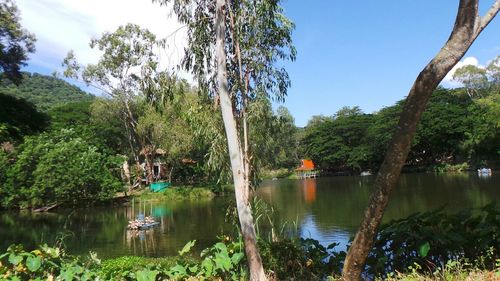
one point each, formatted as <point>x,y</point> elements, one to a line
<point>159,186</point>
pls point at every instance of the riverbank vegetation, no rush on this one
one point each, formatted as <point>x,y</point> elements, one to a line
<point>455,130</point>
<point>437,246</point>
<point>178,193</point>
<point>149,124</point>
<point>458,133</point>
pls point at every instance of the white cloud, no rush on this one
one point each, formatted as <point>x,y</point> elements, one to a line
<point>63,25</point>
<point>448,79</point>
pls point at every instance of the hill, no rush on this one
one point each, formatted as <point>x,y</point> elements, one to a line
<point>44,91</point>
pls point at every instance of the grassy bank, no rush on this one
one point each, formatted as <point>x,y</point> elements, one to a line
<point>278,174</point>
<point>177,193</point>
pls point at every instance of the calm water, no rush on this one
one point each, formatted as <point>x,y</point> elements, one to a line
<point>327,209</point>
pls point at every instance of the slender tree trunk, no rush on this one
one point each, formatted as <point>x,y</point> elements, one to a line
<point>133,149</point>
<point>235,151</point>
<point>243,86</point>
<point>126,174</point>
<point>467,27</point>
<point>149,157</point>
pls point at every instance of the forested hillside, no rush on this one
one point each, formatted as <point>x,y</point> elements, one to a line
<point>44,91</point>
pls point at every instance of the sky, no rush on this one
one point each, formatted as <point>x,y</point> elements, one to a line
<point>350,53</point>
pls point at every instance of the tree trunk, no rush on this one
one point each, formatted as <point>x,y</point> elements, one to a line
<point>467,27</point>
<point>235,152</point>
<point>149,156</point>
<point>126,174</point>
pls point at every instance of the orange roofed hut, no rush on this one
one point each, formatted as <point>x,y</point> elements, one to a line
<point>306,169</point>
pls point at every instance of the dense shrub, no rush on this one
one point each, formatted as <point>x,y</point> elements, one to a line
<point>62,168</point>
<point>429,240</point>
<point>45,263</point>
<point>182,193</point>
<point>125,267</point>
<point>300,259</point>
<point>19,118</point>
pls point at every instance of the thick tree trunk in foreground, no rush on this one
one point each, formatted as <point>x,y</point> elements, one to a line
<point>235,152</point>
<point>467,27</point>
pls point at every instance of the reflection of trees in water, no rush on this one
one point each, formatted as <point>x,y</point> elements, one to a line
<point>180,222</point>
<point>333,206</point>
<point>141,242</point>
<point>339,201</point>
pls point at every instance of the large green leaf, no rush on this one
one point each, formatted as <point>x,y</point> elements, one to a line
<point>187,247</point>
<point>423,250</point>
<point>33,263</point>
<point>146,275</point>
<point>236,258</point>
<point>15,259</point>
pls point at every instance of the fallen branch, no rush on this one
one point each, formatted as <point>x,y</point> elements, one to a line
<point>46,208</point>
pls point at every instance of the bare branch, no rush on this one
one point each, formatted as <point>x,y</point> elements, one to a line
<point>486,19</point>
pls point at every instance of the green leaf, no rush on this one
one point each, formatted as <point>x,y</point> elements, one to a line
<point>236,258</point>
<point>146,275</point>
<point>221,247</point>
<point>208,266</point>
<point>222,261</point>
<point>423,250</point>
<point>67,274</point>
<point>187,247</point>
<point>15,259</point>
<point>33,263</point>
<point>179,270</point>
<point>193,268</point>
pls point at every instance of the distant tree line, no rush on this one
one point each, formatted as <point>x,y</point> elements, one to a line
<point>459,125</point>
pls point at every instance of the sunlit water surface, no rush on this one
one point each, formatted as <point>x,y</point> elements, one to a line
<point>326,209</point>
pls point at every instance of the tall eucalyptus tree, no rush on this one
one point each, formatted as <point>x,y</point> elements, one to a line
<point>468,26</point>
<point>128,67</point>
<point>233,50</point>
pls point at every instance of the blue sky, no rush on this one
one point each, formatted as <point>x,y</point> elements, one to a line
<point>364,53</point>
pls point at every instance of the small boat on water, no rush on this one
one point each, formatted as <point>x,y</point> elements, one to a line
<point>484,172</point>
<point>142,223</point>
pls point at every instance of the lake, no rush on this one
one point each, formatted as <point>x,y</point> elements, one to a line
<point>327,209</point>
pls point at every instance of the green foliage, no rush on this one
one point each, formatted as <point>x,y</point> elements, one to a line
<point>44,91</point>
<point>452,270</point>
<point>125,267</point>
<point>340,142</point>
<point>432,239</point>
<point>19,118</point>
<point>16,42</point>
<point>45,263</point>
<point>454,129</point>
<point>442,168</point>
<point>62,168</point>
<point>300,259</point>
<point>272,136</point>
<point>107,125</point>
<point>70,115</point>
<point>279,173</point>
<point>179,193</point>
<point>258,37</point>
<point>224,261</point>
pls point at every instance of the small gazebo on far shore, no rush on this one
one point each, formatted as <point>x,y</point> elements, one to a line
<point>306,169</point>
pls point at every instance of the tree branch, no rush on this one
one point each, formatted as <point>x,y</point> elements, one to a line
<point>486,19</point>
